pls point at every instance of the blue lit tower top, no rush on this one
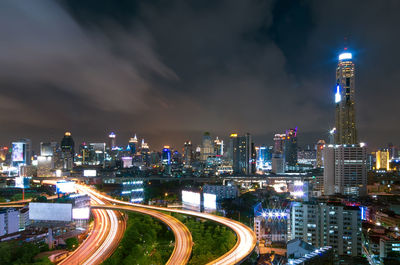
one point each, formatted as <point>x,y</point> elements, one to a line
<point>346,132</point>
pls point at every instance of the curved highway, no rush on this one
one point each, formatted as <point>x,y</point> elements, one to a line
<point>183,238</point>
<point>108,230</point>
<point>246,239</point>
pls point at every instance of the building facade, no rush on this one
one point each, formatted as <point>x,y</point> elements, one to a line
<point>345,170</point>
<point>328,224</point>
<point>346,131</point>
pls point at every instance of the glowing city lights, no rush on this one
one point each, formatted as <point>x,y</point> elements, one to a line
<point>338,97</point>
<point>345,56</point>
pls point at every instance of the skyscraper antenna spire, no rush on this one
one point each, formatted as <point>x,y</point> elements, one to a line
<point>345,43</point>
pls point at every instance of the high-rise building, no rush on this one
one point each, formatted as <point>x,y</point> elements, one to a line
<point>290,145</point>
<point>345,169</point>
<point>67,151</point>
<point>46,160</point>
<point>188,153</point>
<point>207,147</point>
<point>382,160</point>
<point>166,160</point>
<point>166,155</point>
<point>242,154</point>
<point>133,142</point>
<point>393,151</point>
<point>346,131</point>
<point>97,154</point>
<point>48,149</point>
<point>263,157</point>
<point>219,147</point>
<point>278,157</point>
<point>319,147</point>
<point>112,141</point>
<point>328,224</point>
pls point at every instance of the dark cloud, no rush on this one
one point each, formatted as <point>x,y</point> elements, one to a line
<point>170,70</point>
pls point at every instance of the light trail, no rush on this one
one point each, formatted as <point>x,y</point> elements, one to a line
<point>246,239</point>
<point>102,241</point>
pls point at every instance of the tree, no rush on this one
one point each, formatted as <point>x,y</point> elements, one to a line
<point>72,243</point>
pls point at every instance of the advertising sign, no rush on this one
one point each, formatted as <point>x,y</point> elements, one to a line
<point>190,197</point>
<point>80,213</point>
<point>39,211</point>
<point>18,152</point>
<point>65,186</point>
<point>210,201</point>
<point>89,173</point>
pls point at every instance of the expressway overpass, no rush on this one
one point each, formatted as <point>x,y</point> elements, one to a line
<point>220,179</point>
<point>246,239</point>
<point>109,228</point>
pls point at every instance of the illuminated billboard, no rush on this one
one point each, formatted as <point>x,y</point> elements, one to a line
<point>81,213</point>
<point>210,201</point>
<point>65,186</point>
<point>18,152</point>
<point>89,173</point>
<point>39,211</point>
<point>189,197</point>
<point>21,182</point>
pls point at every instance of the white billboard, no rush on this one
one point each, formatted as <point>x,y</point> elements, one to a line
<point>80,213</point>
<point>39,211</point>
<point>21,182</point>
<point>89,173</point>
<point>210,201</point>
<point>190,197</point>
<point>65,187</point>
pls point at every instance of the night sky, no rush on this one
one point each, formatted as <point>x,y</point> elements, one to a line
<point>171,70</point>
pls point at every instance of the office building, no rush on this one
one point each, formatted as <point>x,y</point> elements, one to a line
<point>97,154</point>
<point>243,154</point>
<point>207,147</point>
<point>188,153</point>
<point>9,221</point>
<point>24,218</point>
<point>133,144</point>
<point>67,151</point>
<point>346,131</point>
<point>112,141</point>
<point>327,224</point>
<point>47,158</point>
<point>345,170</point>
<point>219,147</point>
<point>166,159</point>
<point>222,191</point>
<point>306,157</point>
<point>278,157</point>
<point>382,160</point>
<point>290,145</point>
<point>263,157</point>
<point>319,147</point>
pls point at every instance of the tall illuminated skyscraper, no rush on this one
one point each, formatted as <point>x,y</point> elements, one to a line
<point>207,147</point>
<point>346,131</point>
<point>111,141</point>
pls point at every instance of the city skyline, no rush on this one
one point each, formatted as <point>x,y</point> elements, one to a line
<point>245,75</point>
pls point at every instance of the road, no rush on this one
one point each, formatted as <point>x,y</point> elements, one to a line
<point>26,201</point>
<point>108,230</point>
<point>183,238</point>
<point>246,239</point>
